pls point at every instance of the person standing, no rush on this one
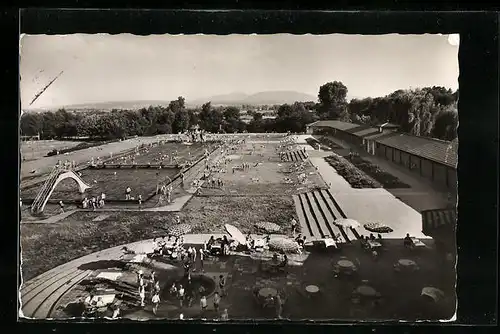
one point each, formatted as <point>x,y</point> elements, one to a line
<point>216,302</point>
<point>142,294</point>
<point>139,199</point>
<point>127,193</point>
<point>156,301</point>
<point>169,194</point>
<point>182,179</point>
<point>222,285</point>
<point>279,306</point>
<point>203,303</point>
<point>294,226</point>
<point>61,206</point>
<point>180,294</point>
<point>202,258</point>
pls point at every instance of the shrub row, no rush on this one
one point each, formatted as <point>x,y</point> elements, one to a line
<point>355,177</point>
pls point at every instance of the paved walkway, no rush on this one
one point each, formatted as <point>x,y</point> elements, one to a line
<point>52,219</point>
<point>423,194</point>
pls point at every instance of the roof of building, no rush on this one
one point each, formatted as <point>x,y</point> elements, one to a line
<point>437,219</point>
<point>440,151</point>
<point>335,124</point>
<point>389,125</point>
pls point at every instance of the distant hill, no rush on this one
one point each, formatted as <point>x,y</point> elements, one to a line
<point>261,98</point>
<point>237,98</point>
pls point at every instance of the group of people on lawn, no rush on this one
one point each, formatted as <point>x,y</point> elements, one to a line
<point>96,202</point>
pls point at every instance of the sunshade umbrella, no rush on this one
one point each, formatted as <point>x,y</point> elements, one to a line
<point>268,227</point>
<point>283,245</point>
<point>179,229</point>
<point>346,223</point>
<point>235,234</point>
<point>377,227</point>
<point>433,293</point>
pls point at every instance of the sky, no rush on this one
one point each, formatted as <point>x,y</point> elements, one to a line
<point>125,67</point>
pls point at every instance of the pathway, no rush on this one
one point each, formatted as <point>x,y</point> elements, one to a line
<point>423,194</point>
<point>52,219</point>
<point>370,205</point>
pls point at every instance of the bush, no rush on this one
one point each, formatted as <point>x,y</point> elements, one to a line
<point>355,177</point>
<point>387,180</point>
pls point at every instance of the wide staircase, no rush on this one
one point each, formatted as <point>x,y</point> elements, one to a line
<point>294,156</point>
<point>317,210</point>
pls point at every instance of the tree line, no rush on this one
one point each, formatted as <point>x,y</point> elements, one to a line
<point>428,111</point>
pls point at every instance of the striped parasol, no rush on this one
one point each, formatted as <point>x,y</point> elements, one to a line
<point>377,227</point>
<point>268,227</point>
<point>179,229</point>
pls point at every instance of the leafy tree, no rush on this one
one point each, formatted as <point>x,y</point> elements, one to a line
<point>181,121</point>
<point>332,99</point>
<point>31,124</point>
<point>445,124</point>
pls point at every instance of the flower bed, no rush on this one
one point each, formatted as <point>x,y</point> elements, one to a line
<point>355,177</point>
<point>388,180</point>
<point>330,143</point>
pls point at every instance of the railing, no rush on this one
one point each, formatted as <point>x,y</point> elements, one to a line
<point>45,190</point>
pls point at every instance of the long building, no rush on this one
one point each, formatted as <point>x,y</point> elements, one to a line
<point>430,158</point>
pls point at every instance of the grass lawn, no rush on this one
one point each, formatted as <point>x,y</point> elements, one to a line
<point>33,150</point>
<point>141,181</point>
<point>209,214</point>
<point>265,177</point>
<point>387,180</point>
<point>355,177</point>
<point>45,246</point>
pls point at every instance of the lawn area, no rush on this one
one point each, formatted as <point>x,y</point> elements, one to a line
<point>388,181</point>
<point>141,181</point>
<point>264,176</point>
<point>355,177</point>
<point>209,214</point>
<point>33,150</point>
<point>45,246</point>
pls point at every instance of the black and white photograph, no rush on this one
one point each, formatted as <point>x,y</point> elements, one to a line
<point>239,177</point>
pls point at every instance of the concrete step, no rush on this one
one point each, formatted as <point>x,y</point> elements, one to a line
<point>350,232</point>
<point>336,214</point>
<point>39,302</point>
<point>321,223</point>
<point>309,217</point>
<point>34,291</point>
<point>45,309</point>
<point>305,230</point>
<point>327,213</point>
